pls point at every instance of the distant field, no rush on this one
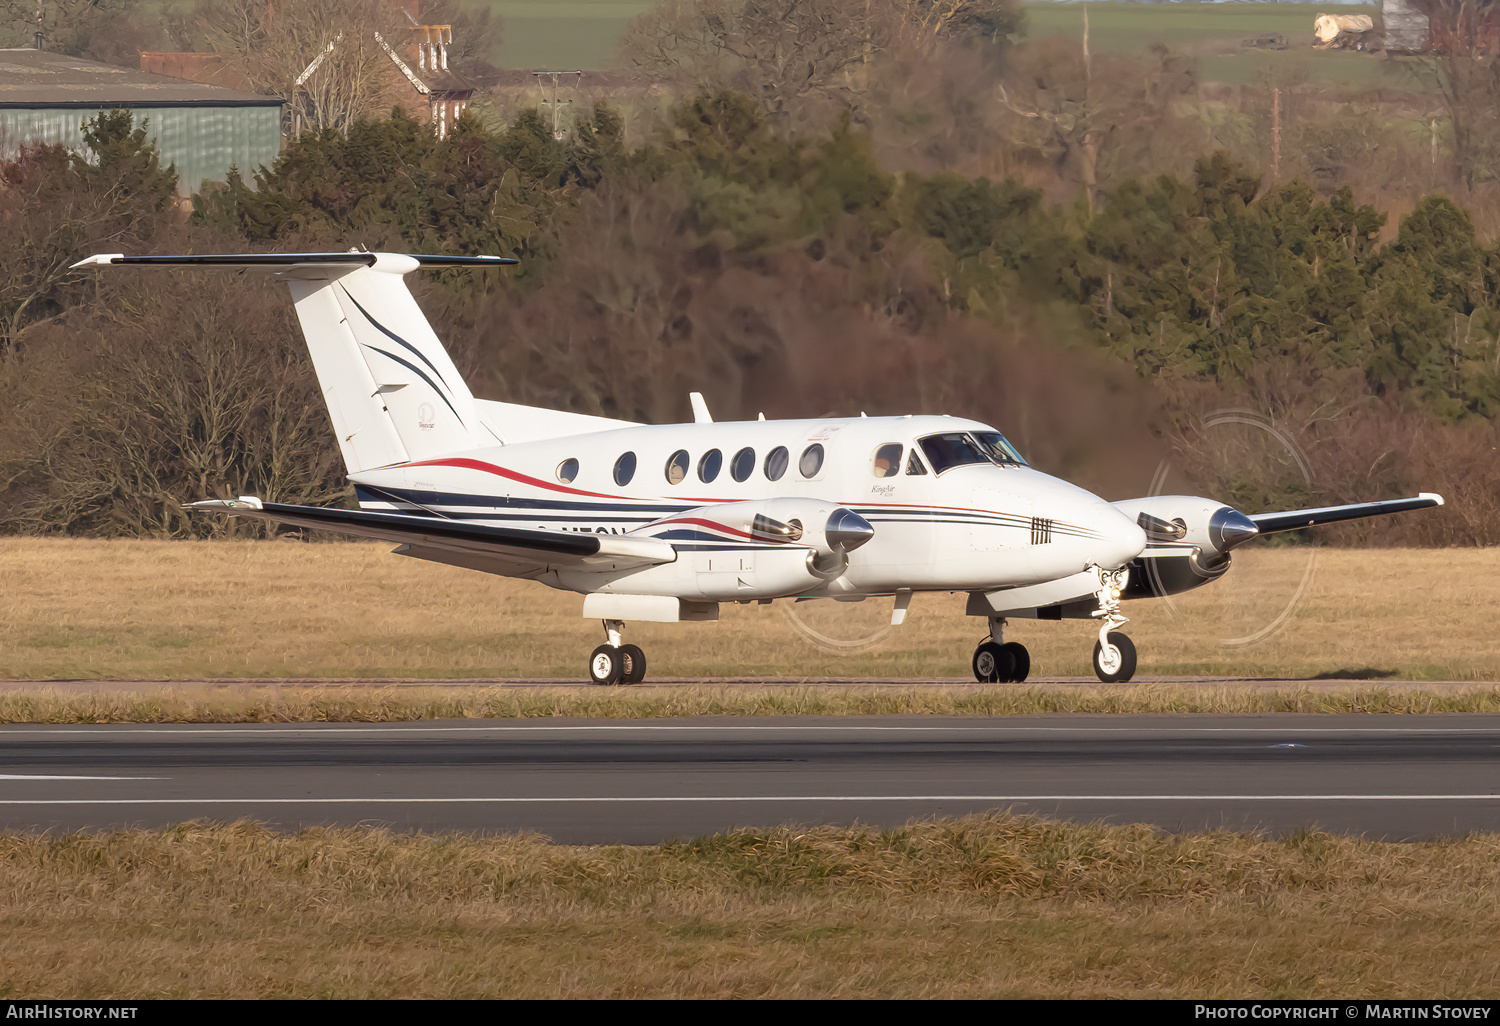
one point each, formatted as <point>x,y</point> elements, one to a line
<point>566,35</point>
<point>583,34</point>
<point>139,610</point>
<point>1134,27</point>
<point>1213,33</point>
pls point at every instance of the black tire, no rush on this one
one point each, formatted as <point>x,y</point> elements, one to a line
<point>635,664</point>
<point>1020,665</point>
<point>992,663</point>
<point>606,665</point>
<point>1119,671</point>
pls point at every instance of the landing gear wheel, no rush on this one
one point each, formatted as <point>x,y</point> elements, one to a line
<point>607,665</point>
<point>993,663</point>
<point>1116,661</point>
<point>1020,664</point>
<point>635,663</point>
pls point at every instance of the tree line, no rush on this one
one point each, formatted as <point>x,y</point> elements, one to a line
<point>792,253</point>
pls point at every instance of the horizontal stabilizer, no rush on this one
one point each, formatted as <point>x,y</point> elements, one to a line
<point>536,549</point>
<point>1271,523</point>
<point>275,262</point>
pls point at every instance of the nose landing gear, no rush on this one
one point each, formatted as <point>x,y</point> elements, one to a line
<point>614,663</point>
<point>1114,658</point>
<point>1114,653</point>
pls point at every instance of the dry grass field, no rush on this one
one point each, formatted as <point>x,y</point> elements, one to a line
<point>991,906</point>
<point>981,907</point>
<point>141,610</point>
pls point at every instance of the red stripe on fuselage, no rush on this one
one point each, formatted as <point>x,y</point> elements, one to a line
<point>703,523</point>
<point>467,463</point>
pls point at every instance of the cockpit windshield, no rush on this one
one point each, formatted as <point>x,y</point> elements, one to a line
<point>961,448</point>
<point>958,449</point>
<point>999,448</point>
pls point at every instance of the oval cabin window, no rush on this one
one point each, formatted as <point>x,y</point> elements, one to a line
<point>811,461</point>
<point>624,469</point>
<point>709,465</point>
<point>776,463</point>
<point>743,464</point>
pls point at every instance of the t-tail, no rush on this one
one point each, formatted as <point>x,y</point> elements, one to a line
<point>392,391</point>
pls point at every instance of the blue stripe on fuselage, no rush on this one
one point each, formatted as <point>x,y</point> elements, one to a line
<point>644,511</point>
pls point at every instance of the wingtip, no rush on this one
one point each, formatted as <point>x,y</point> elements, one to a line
<point>97,260</point>
<point>244,502</point>
<point>1434,496</point>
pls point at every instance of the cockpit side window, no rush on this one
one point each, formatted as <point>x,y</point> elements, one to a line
<point>956,449</point>
<point>887,460</point>
<point>914,466</point>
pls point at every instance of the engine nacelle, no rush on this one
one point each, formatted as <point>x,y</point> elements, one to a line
<point>827,530</point>
<point>1188,540</point>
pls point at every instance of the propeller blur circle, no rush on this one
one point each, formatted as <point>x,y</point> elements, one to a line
<point>1238,453</point>
<point>847,620</point>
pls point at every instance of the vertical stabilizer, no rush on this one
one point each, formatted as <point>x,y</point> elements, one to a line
<point>391,388</point>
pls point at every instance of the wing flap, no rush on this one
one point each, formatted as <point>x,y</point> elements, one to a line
<point>529,550</point>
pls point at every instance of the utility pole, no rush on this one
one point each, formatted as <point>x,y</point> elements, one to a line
<point>557,132</point>
<point>1275,133</point>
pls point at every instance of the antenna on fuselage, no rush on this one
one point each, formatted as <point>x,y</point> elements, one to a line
<point>700,408</point>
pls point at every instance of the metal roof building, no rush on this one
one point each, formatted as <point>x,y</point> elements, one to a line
<point>201,129</point>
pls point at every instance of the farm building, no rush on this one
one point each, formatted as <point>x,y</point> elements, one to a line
<point>1458,28</point>
<point>200,129</point>
<point>1405,26</point>
<point>319,85</point>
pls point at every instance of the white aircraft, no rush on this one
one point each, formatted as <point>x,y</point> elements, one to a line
<point>665,522</point>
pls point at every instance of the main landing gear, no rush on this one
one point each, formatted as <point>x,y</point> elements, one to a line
<point>614,663</point>
<point>997,661</point>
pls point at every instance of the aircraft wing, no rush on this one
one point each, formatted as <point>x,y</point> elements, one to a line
<point>1273,523</point>
<point>508,551</point>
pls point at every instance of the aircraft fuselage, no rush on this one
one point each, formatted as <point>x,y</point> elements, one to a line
<point>971,525</point>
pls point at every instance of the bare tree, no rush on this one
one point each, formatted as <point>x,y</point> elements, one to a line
<point>1464,36</point>
<point>150,399</point>
<point>802,60</point>
<point>66,26</point>
<point>784,54</point>
<point>333,61</point>
<point>1093,115</point>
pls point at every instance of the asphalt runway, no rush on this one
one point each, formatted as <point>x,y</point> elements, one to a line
<point>641,782</point>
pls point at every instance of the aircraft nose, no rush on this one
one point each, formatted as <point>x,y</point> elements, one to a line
<point>1119,539</point>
